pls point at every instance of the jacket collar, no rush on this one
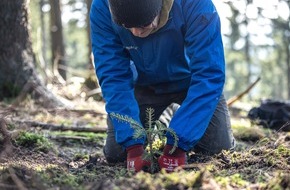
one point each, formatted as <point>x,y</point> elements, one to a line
<point>166,7</point>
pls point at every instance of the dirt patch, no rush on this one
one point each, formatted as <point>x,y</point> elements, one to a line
<point>74,160</point>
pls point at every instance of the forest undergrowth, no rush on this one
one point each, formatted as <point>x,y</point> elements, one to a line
<point>62,149</point>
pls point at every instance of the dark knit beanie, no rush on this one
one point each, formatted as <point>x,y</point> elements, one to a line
<point>134,13</point>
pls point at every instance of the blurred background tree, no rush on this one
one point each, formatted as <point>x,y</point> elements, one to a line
<point>255,33</point>
<point>74,27</point>
<point>56,38</point>
<point>256,38</point>
<point>17,74</point>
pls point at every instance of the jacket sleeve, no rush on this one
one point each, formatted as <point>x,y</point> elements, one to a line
<point>204,49</point>
<point>112,66</point>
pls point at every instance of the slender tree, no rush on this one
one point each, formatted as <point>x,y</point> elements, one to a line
<point>281,31</point>
<point>89,3</point>
<point>57,41</point>
<point>236,60</point>
<point>43,33</point>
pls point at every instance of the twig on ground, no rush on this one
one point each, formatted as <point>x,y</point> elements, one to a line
<point>62,127</point>
<point>6,142</point>
<point>285,127</point>
<point>16,180</point>
<point>6,186</point>
<point>64,138</point>
<point>57,111</point>
<point>79,111</point>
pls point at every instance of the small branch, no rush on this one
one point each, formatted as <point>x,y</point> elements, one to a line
<point>54,127</point>
<point>195,166</point>
<point>79,111</point>
<point>239,96</point>
<point>6,186</point>
<point>6,143</point>
<point>58,111</point>
<point>16,180</point>
<point>285,127</point>
<point>65,138</point>
<point>94,92</point>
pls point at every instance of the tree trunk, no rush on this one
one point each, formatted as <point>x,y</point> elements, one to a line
<point>57,42</point>
<point>287,45</point>
<point>16,56</point>
<point>89,3</point>
<point>288,65</point>
<point>41,53</point>
<point>43,34</point>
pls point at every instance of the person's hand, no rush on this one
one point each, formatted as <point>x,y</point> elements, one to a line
<point>169,161</point>
<point>135,162</point>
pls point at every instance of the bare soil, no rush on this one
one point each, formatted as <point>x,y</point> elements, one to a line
<point>75,159</point>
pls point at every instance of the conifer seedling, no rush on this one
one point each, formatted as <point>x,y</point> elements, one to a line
<point>154,131</point>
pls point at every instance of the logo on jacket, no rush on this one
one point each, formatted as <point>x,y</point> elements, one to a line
<point>131,47</point>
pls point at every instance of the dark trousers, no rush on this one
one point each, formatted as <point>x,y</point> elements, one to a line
<point>217,137</point>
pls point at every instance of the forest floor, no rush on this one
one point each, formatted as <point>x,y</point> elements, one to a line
<point>40,152</point>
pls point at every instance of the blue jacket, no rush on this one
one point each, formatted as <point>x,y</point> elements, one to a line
<point>186,53</point>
